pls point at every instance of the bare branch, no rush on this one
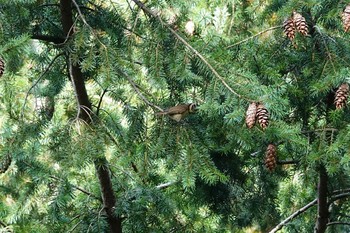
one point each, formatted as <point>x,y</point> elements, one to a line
<point>291,217</point>
<point>253,36</point>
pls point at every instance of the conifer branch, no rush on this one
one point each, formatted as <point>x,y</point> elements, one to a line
<point>38,80</point>
<point>306,207</point>
<point>198,54</point>
<point>291,217</point>
<point>253,36</point>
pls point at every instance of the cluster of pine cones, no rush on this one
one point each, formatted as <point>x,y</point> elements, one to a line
<point>256,112</point>
<point>295,23</point>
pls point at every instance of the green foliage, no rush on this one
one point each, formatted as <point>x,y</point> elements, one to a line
<point>203,174</point>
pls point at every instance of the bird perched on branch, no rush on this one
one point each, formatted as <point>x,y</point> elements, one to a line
<point>178,112</point>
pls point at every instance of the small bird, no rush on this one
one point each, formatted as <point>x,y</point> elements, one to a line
<point>178,112</point>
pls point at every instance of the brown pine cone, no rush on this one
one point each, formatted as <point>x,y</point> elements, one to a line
<point>341,96</point>
<point>271,157</point>
<point>250,116</point>
<point>262,116</point>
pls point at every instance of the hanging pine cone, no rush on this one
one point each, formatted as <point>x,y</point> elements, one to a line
<point>262,116</point>
<point>271,157</point>
<point>341,96</point>
<point>346,18</point>
<point>2,67</point>
<point>300,23</point>
<point>250,115</point>
<point>289,28</point>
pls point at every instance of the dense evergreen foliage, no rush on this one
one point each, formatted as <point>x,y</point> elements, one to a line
<point>82,148</point>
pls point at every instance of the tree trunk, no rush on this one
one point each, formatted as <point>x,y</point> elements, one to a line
<point>84,109</point>
<point>84,113</point>
<point>322,204</point>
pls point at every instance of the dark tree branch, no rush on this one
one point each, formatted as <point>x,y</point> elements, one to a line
<point>322,208</point>
<point>100,101</point>
<point>337,197</point>
<point>102,169</point>
<point>108,196</point>
<point>47,38</point>
<point>84,109</point>
<point>338,223</point>
<point>291,217</point>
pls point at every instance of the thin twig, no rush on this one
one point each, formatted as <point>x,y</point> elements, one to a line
<point>284,162</point>
<point>166,185</point>
<point>335,192</point>
<point>100,101</point>
<point>134,86</point>
<point>253,36</point>
<point>38,80</point>
<point>75,226</point>
<point>198,54</point>
<point>80,189</point>
<point>80,14</point>
<point>291,217</point>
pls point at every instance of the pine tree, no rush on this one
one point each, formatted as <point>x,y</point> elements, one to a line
<point>82,149</point>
